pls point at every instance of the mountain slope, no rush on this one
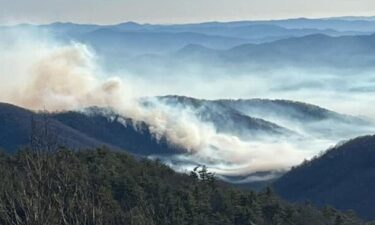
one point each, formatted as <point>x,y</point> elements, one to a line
<point>303,118</point>
<point>273,117</point>
<point>227,119</point>
<point>307,127</point>
<point>79,130</point>
<point>298,111</point>
<point>343,177</point>
<point>252,119</point>
<point>104,187</point>
<point>109,127</point>
<point>15,129</point>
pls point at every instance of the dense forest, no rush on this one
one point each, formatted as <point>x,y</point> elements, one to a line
<point>105,187</point>
<point>45,184</point>
<point>343,177</point>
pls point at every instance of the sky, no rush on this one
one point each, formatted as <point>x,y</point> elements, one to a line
<point>174,11</point>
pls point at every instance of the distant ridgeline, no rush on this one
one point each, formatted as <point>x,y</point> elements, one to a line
<point>327,43</point>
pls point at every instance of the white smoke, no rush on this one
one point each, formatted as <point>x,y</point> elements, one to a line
<point>65,77</point>
<point>39,74</point>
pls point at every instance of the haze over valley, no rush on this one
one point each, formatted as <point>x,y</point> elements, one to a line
<point>163,112</point>
<point>231,95</point>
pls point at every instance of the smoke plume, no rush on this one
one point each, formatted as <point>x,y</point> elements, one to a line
<point>42,74</point>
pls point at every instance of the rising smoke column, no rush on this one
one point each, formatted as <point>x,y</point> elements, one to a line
<point>55,76</point>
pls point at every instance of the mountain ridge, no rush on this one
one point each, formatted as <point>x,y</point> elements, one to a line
<point>343,176</point>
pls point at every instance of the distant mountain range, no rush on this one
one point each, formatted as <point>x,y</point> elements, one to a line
<point>343,177</point>
<point>339,43</point>
<point>319,52</point>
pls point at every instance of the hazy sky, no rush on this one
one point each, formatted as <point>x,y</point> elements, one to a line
<point>174,11</point>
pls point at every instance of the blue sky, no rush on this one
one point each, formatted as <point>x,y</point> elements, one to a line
<point>174,11</point>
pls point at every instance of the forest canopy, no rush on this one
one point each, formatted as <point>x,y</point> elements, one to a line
<point>101,186</point>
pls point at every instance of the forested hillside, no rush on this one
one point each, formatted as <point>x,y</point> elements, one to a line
<point>45,183</point>
<point>343,177</point>
<point>103,187</point>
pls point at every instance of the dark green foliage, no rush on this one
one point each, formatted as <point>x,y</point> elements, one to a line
<point>116,130</point>
<point>343,177</point>
<point>16,128</point>
<point>79,130</point>
<point>105,187</point>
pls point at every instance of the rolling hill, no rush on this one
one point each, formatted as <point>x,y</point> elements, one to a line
<point>273,117</point>
<point>252,119</point>
<point>78,130</point>
<point>342,177</point>
<point>109,127</point>
<point>256,122</point>
<point>321,51</point>
<point>16,128</point>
